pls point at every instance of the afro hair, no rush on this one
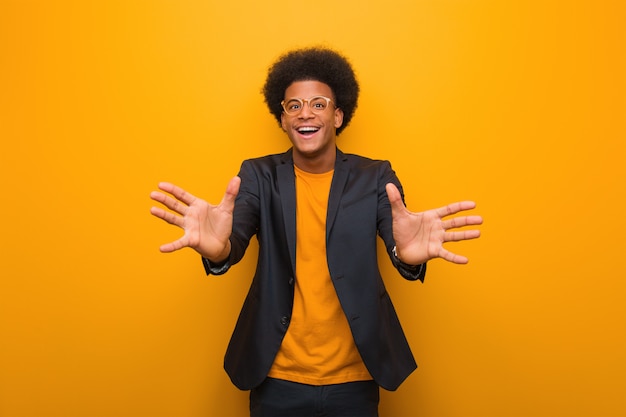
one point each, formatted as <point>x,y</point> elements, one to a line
<point>313,64</point>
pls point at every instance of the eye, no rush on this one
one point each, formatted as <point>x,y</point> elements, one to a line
<point>318,103</point>
<point>293,105</point>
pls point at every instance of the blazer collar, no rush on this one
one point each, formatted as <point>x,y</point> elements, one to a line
<point>287,158</point>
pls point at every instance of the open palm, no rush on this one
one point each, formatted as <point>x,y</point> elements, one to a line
<point>420,236</point>
<point>207,227</point>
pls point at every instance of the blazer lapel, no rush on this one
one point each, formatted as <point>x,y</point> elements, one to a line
<point>287,193</point>
<point>340,177</point>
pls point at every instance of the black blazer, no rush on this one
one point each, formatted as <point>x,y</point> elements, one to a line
<point>358,211</point>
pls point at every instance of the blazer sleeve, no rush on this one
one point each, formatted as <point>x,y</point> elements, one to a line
<point>385,229</point>
<point>245,220</point>
<point>410,272</point>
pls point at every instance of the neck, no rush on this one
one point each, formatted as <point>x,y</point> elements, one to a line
<point>315,165</point>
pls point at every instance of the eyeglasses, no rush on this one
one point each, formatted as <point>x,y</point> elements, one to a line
<point>317,104</point>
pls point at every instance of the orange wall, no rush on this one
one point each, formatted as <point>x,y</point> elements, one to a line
<point>518,105</point>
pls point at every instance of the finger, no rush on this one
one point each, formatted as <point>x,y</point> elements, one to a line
<point>167,216</point>
<point>452,257</point>
<point>462,235</point>
<point>157,196</point>
<point>462,221</point>
<point>169,202</point>
<point>177,192</point>
<point>455,208</point>
<point>173,246</point>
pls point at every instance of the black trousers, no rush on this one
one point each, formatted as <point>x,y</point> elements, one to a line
<point>279,398</point>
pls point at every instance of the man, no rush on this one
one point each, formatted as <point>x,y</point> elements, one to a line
<point>317,334</point>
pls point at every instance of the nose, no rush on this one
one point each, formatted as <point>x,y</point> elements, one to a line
<point>306,112</point>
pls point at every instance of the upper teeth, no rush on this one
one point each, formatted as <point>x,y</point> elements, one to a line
<point>307,129</point>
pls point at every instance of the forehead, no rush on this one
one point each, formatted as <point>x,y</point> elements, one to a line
<point>306,89</point>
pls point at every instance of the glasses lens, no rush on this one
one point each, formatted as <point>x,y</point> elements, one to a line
<point>293,106</point>
<point>318,104</point>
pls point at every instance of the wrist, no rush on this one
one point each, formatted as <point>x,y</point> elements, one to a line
<point>221,257</point>
<point>394,253</point>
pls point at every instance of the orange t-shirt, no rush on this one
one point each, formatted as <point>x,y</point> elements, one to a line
<point>318,348</point>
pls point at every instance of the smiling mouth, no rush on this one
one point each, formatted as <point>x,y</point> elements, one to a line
<point>307,130</point>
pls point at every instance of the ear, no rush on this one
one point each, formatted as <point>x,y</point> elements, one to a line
<point>338,118</point>
<point>282,121</point>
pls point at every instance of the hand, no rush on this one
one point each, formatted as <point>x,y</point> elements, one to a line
<point>420,236</point>
<point>207,227</point>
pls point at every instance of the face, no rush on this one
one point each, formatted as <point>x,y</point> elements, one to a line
<point>312,134</point>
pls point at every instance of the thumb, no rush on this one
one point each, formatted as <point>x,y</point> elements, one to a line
<point>232,189</point>
<point>395,199</point>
